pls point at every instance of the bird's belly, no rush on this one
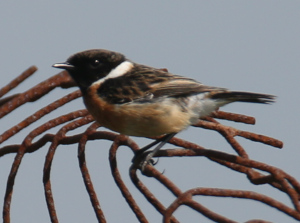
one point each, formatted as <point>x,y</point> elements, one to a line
<point>140,119</point>
<point>153,119</point>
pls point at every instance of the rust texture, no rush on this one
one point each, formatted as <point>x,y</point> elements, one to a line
<point>258,173</point>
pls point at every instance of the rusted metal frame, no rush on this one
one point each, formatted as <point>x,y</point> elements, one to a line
<point>233,117</point>
<point>21,151</point>
<point>279,175</point>
<point>147,193</point>
<point>38,115</point>
<point>62,79</point>
<point>235,132</point>
<point>177,193</point>
<point>49,158</point>
<point>18,80</point>
<point>85,172</point>
<point>124,140</point>
<point>187,197</point>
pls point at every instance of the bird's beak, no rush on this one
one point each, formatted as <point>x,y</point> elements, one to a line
<point>64,65</point>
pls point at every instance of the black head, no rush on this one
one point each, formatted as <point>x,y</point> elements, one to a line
<point>89,66</point>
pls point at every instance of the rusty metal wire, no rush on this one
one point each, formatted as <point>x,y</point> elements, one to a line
<point>240,163</point>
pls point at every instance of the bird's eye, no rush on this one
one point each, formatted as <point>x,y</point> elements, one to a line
<point>95,63</point>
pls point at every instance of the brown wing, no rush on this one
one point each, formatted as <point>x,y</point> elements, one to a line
<point>144,83</point>
<point>179,87</point>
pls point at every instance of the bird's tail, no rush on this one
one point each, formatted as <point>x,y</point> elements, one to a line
<point>232,96</point>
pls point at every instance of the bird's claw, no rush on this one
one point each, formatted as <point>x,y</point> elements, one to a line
<point>144,159</point>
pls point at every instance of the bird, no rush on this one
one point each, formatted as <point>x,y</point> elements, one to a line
<point>139,100</point>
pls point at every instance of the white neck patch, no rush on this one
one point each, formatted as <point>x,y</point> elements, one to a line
<point>119,71</point>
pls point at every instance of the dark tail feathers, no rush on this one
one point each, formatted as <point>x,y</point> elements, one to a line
<point>232,96</point>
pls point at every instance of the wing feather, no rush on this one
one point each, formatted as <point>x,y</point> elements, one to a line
<point>180,87</point>
<point>145,83</point>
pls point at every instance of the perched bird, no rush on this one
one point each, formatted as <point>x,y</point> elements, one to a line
<point>139,100</point>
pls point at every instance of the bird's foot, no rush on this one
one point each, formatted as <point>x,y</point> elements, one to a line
<point>143,159</point>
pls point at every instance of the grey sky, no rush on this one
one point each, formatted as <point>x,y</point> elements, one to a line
<point>241,45</point>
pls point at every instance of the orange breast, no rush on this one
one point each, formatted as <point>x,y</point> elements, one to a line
<point>137,119</point>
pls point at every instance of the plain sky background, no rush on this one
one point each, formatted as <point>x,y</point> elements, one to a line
<point>241,45</point>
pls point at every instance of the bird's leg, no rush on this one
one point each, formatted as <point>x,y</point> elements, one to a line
<point>145,148</point>
<point>162,141</point>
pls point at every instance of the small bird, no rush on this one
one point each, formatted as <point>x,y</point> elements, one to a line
<point>139,100</point>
